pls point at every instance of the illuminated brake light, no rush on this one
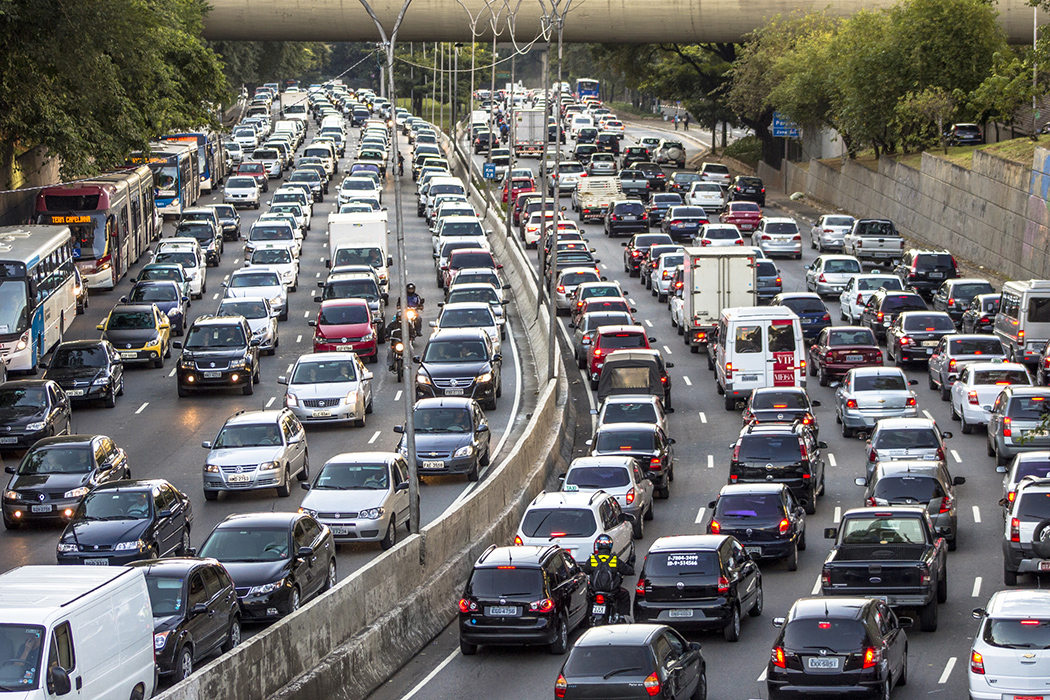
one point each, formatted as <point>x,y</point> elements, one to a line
<point>911,402</point>
<point>976,663</point>
<point>1007,431</point>
<point>872,657</point>
<point>639,588</point>
<point>951,365</point>
<point>784,525</point>
<point>544,606</point>
<point>630,496</point>
<point>851,403</point>
<point>1011,496</point>
<point>723,585</point>
<point>716,527</point>
<point>1031,623</point>
<point>729,371</point>
<point>465,606</point>
<point>971,396</point>
<point>517,541</point>
<point>946,504</point>
<point>777,657</point>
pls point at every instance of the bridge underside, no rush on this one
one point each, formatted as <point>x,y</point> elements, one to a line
<point>603,21</point>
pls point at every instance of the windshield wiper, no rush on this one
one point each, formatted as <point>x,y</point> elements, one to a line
<point>618,671</point>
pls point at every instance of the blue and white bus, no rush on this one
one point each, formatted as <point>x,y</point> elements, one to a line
<point>587,87</point>
<point>37,299</point>
<point>211,161</point>
<point>176,176</point>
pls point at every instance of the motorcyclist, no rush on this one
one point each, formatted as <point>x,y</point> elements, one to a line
<point>606,573</point>
<point>412,300</point>
<point>400,164</point>
<point>393,334</point>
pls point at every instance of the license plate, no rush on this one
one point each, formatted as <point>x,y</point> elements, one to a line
<point>321,414</point>
<point>97,562</point>
<point>128,355</point>
<point>749,378</point>
<point>431,464</point>
<point>211,375</point>
<point>453,392</point>
<point>936,275</point>
<point>882,255</point>
<point>339,529</point>
<point>74,392</point>
<point>8,440</point>
<point>854,358</point>
<point>1024,697</point>
<point>1035,433</point>
<point>344,348</point>
<point>40,509</point>
<point>597,609</point>
<point>753,550</point>
<point>629,218</point>
<point>239,478</point>
<point>747,227</point>
<point>814,662</point>
<point>679,613</point>
<point>930,343</point>
<point>502,611</point>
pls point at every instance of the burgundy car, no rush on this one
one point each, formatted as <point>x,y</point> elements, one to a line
<point>841,348</point>
<point>744,215</point>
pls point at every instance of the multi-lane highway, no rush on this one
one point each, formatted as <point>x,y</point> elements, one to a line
<point>703,430</point>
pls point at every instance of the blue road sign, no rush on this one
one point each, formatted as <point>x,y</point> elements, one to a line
<point>489,171</point>
<point>782,128</point>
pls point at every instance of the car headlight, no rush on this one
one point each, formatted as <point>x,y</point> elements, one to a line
<point>465,451</point>
<point>76,493</point>
<point>368,338</point>
<point>309,511</point>
<point>350,398</point>
<point>38,425</point>
<point>173,311</point>
<point>266,588</point>
<point>185,363</point>
<point>291,400</point>
<point>125,546</point>
<point>66,547</point>
<point>371,513</point>
<point>422,379</point>
<point>237,364</point>
<point>264,466</point>
<point>484,377</point>
<point>155,340</point>
<point>100,382</point>
<point>160,639</point>
<point>12,496</point>
<point>211,468</point>
<point>276,301</point>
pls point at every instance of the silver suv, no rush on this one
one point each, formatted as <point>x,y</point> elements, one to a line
<point>1016,422</point>
<point>1026,534</point>
<point>256,450</point>
<point>897,439</point>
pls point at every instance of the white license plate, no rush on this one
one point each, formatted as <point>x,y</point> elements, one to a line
<point>8,440</point>
<point>930,343</point>
<point>503,611</point>
<point>629,218</point>
<point>339,529</point>
<point>1036,434</point>
<point>936,275</point>
<point>753,550</point>
<point>97,562</point>
<point>40,509</point>
<point>74,392</point>
<point>597,609</point>
<point>749,378</point>
<point>814,662</point>
<point>128,355</point>
<point>344,348</point>
<point>747,227</point>
<point>321,414</point>
<point>453,392</point>
<point>680,613</point>
<point>239,478</point>
<point>211,375</point>
<point>430,464</point>
<point>854,358</point>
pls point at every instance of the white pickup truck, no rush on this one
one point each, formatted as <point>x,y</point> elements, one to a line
<point>874,241</point>
<point>592,196</point>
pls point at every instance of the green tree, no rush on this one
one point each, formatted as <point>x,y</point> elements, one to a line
<point>252,63</point>
<point>920,113</point>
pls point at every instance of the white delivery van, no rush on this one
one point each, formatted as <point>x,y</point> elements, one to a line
<point>361,239</point>
<point>82,632</point>
<point>758,347</point>
<point>1023,321</point>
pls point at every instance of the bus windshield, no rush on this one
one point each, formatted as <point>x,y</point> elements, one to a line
<point>14,306</point>
<point>166,177</point>
<point>89,238</point>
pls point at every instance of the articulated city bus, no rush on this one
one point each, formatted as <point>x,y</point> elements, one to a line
<point>211,161</point>
<point>176,178</point>
<point>113,219</point>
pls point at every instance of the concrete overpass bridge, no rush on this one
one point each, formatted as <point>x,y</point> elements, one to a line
<point>611,21</point>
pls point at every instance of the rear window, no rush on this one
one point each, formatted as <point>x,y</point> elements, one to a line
<point>1035,505</point>
<point>825,633</point>
<point>921,489</point>
<point>934,261</point>
<point>903,302</point>
<point>716,169</point>
<point>976,346</point>
<point>750,506</point>
<point>769,448</point>
<point>781,227</point>
<point>965,292</point>
<point>1032,467</point>
<point>1031,407</point>
<point>598,477</point>
<point>731,234</point>
<point>682,564</point>
<point>622,440</point>
<point>888,282</point>
<point>768,400</point>
<point>558,522</point>
<point>932,322</point>
<point>601,661</point>
<point>616,341</point>
<point>1039,310</point>
<point>805,305</point>
<point>1001,377</point>
<point>839,221</point>
<point>690,212</point>
<point>630,209</point>
<point>867,382</point>
<point>487,583</point>
<point>1017,634</point>
<point>767,269</point>
<point>883,530</point>
<point>898,439</point>
<point>640,412</point>
<point>744,206</point>
<point>841,266</point>
<point>860,336</point>
<point>875,228</point>
<point>597,320</point>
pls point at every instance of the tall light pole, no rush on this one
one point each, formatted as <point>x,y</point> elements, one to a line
<point>402,273</point>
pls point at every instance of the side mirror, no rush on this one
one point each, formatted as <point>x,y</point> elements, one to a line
<point>123,300</point>
<point>9,470</point>
<point>959,481</point>
<point>571,324</point>
<point>185,300</point>
<point>1000,470</point>
<point>670,441</point>
<point>255,342</point>
<point>946,436</point>
<point>778,622</point>
<point>304,485</point>
<point>206,444</point>
<point>416,358</point>
<point>100,327</point>
<point>669,365</point>
<point>815,403</point>
<point>634,311</point>
<point>623,245</point>
<point>905,623</point>
<point>60,680</point>
<point>247,263</point>
<point>978,613</point>
<point>694,646</point>
<point>831,533</point>
<point>913,382</point>
<point>282,380</point>
<point>755,557</point>
<point>317,298</point>
<point>835,385</point>
<point>305,552</point>
<point>403,486</point>
<point>166,513</point>
<point>177,344</point>
<point>860,481</point>
<point>588,442</point>
<point>321,285</point>
<point>43,364</point>
<point>822,445</point>
<point>399,429</point>
<point>627,518</point>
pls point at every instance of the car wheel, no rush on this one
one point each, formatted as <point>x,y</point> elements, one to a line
<point>928,617</point>
<point>120,391</point>
<point>730,402</point>
<point>732,629</point>
<point>304,473</point>
<point>330,577</point>
<point>792,559</point>
<point>111,399</point>
<point>846,431</point>
<point>756,609</point>
<point>184,543</point>
<point>467,649</point>
<point>233,636</point>
<point>249,387</point>
<point>183,391</point>
<point>649,512</point>
<point>966,427</point>
<point>701,687</point>
<point>988,446</point>
<point>184,663</point>
<point>296,599</point>
<point>903,679</point>
<point>211,495</point>
<point>1009,577</point>
<point>561,638</point>
<point>822,377</point>
<point>802,542</point>
<point>284,488</point>
<point>638,528</point>
<point>12,525</point>
<point>930,382</point>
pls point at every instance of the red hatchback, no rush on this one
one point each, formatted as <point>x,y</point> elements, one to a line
<point>519,185</point>
<point>256,170</point>
<point>608,339</point>
<point>346,325</point>
<point>839,349</point>
<point>464,258</point>
<point>744,215</point>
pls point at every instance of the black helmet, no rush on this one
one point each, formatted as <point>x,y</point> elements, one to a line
<point>410,288</point>
<point>603,544</point>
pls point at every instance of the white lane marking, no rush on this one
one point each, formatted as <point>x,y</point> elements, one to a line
<point>289,367</point>
<point>688,381</point>
<point>397,396</point>
<point>703,417</point>
<point>172,372</point>
<point>603,266</point>
<point>838,515</point>
<point>142,408</point>
<point>318,275</point>
<point>831,460</point>
<point>426,679</point>
<point>226,278</point>
<point>976,587</point>
<point>976,514</point>
<point>816,587</point>
<point>631,301</point>
<point>270,402</point>
<point>299,338</point>
<point>762,676</point>
<point>375,436</point>
<point>710,461</point>
<point>927,414</point>
<point>648,323</point>
<point>956,457</point>
<point>700,515</point>
<point>214,296</point>
<point>321,258</point>
<point>947,671</point>
<point>306,314</point>
<point>668,350</point>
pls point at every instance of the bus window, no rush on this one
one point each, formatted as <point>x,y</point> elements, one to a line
<point>14,307</point>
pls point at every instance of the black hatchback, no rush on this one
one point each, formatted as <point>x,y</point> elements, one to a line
<point>782,454</point>
<point>746,188</point>
<point>627,216</point>
<point>765,518</point>
<point>633,661</point>
<point>88,370</point>
<point>925,270</point>
<point>832,646</point>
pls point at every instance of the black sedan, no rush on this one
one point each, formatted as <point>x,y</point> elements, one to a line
<point>837,645</point>
<point>125,521</point>
<point>765,518</point>
<point>452,437</point>
<point>88,370</point>
<point>633,661</point>
<point>277,560</point>
<point>914,335</point>
<point>195,612</point>
<point>645,442</point>
<point>56,473</point>
<point>683,222</point>
<point>32,409</point>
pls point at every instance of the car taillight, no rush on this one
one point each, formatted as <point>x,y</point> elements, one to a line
<point>723,584</point>
<point>738,241</point>
<point>825,578</point>
<point>561,288</point>
<point>976,663</point>
<point>654,464</point>
<point>543,606</point>
<point>822,278</point>
<point>466,606</point>
<point>802,367</point>
<point>777,657</point>
<point>803,453</point>
<point>784,525</point>
<point>880,316</point>
<point>940,453</point>
<point>872,657</point>
<point>1011,496</point>
<point>560,686</point>
<point>924,574</point>
<point>951,302</point>
<point>517,540</point>
<point>860,299</point>
<point>870,501</point>
<point>1015,530</point>
<point>971,396</point>
<point>873,455</point>
<point>716,527</point>
<point>851,403</point>
<point>639,588</point>
<point>905,340</point>
<point>766,237</point>
<point>796,237</point>
<point>729,371</point>
<point>911,402</point>
<point>1007,431</point>
<point>778,282</point>
<point>630,496</point>
<point>652,685</point>
<point>951,365</point>
<point>807,419</point>
<point>704,242</point>
<point>635,253</point>
<point>946,504</point>
<point>1020,336</point>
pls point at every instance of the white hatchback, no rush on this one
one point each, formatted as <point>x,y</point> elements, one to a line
<point>1010,656</point>
<point>574,520</point>
<point>241,192</point>
<point>979,385</point>
<point>858,290</point>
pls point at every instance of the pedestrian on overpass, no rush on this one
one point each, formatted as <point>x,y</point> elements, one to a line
<point>686,122</point>
<point>676,122</point>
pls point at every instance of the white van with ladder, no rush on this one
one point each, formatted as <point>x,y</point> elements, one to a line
<point>1023,321</point>
<point>758,347</point>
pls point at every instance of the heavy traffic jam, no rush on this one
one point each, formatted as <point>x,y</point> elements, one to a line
<point>299,190</point>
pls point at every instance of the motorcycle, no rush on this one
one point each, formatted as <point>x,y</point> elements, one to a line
<point>415,319</point>
<point>602,606</point>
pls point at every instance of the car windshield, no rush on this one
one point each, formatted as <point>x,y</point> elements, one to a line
<point>184,258</point>
<point>598,477</point>
<point>871,382</point>
<point>165,595</point>
<point>559,522</point>
<point>68,358</point>
<point>248,309</point>
<point>841,266</point>
<point>757,505</point>
<point>234,544</point>
<point>918,488</point>
<point>20,670</point>
<point>929,322</point>
<point>442,420</point>
<point>1031,633</point>
<point>462,228</point>
<point>506,581</point>
<point>466,318</point>
<point>343,315</point>
<point>272,233</point>
<point>883,530</point>
<point>22,397</point>
<point>153,292</point>
<point>673,564</point>
<point>255,279</point>
<point>624,440</point>
<point>241,183</point>
<point>860,336</point>
<point>822,633</point>
<point>163,273</point>
<point>976,346</point>
<point>272,256</point>
<point>485,295</point>
<point>115,505</point>
<point>201,231</point>
<point>227,336</point>
<point>768,400</point>
<point>627,663</point>
<point>58,459</point>
<point>1002,377</point>
<point>130,320</point>
<point>451,351</point>
<point>869,283</point>
<point>1028,407</point>
<point>905,439</point>
<point>324,372</point>
<point>342,476</point>
<point>264,435</point>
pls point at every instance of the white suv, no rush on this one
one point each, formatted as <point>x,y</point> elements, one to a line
<point>1008,657</point>
<point>186,252</point>
<point>574,520</point>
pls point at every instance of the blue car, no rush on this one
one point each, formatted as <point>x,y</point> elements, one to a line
<point>166,296</point>
<point>810,309</point>
<point>682,223</point>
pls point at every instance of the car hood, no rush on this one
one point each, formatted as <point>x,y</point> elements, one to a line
<point>333,390</point>
<point>345,330</point>
<point>232,456</point>
<point>130,339</point>
<point>258,324</point>
<point>67,374</point>
<point>255,573</point>
<point>448,370</point>
<point>344,500</point>
<point>166,622</point>
<point>88,533</point>
<point>21,414</point>
<point>440,442</point>
<point>48,482</point>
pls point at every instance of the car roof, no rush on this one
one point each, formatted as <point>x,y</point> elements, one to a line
<point>672,543</point>
<point>567,499</point>
<point>217,320</point>
<point>172,566</point>
<point>904,423</point>
<point>756,489</point>
<point>1019,604</point>
<point>132,485</point>
<point>444,402</point>
<point>603,461</point>
<point>523,555</point>
<point>81,344</point>
<point>877,372</point>
<point>1016,390</point>
<point>62,439</point>
<point>619,635</point>
<point>604,330</point>
<point>779,220</point>
<point>254,417</point>
<point>27,383</point>
<point>630,398</point>
<point>133,307</point>
<point>917,467</point>
<point>459,333</point>
<point>259,519</point>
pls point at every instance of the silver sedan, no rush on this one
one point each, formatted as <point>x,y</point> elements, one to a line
<point>329,387</point>
<point>868,394</point>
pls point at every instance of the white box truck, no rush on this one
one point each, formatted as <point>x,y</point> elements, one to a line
<point>714,279</point>
<point>81,632</point>
<point>361,239</point>
<point>530,131</point>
